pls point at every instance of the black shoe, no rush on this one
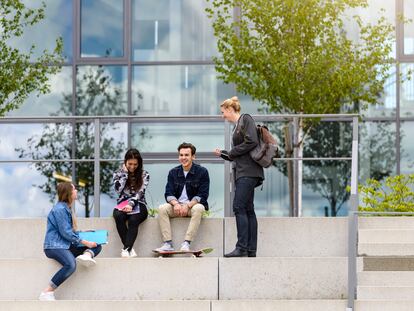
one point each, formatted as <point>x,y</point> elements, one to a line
<point>237,253</point>
<point>251,253</point>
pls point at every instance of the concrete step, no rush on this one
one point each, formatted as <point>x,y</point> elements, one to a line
<point>386,278</point>
<point>398,222</point>
<point>386,292</point>
<point>283,237</point>
<point>176,305</point>
<point>384,305</point>
<point>283,278</point>
<point>387,263</point>
<point>295,237</point>
<point>106,305</point>
<point>207,305</point>
<point>180,278</point>
<point>386,236</point>
<point>114,279</point>
<point>26,236</point>
<point>386,249</point>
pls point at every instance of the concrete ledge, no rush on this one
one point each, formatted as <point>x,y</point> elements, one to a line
<point>386,249</point>
<point>283,278</point>
<point>102,305</point>
<point>278,305</point>
<point>114,279</point>
<point>386,223</point>
<point>386,236</point>
<point>292,237</point>
<point>386,278</point>
<point>386,292</point>
<point>384,305</point>
<point>284,237</point>
<point>24,237</point>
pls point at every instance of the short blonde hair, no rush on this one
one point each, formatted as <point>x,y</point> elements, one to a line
<point>232,103</point>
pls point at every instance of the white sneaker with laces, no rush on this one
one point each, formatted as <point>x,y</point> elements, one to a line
<point>185,246</point>
<point>85,260</point>
<point>47,296</point>
<point>124,253</point>
<point>166,247</point>
<point>132,253</point>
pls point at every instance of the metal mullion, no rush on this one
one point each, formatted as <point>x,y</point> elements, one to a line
<point>398,121</point>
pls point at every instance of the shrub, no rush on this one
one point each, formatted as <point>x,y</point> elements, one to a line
<point>395,194</point>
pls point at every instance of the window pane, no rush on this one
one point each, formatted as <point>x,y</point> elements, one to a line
<point>102,30</point>
<point>177,90</point>
<point>23,197</point>
<point>407,92</point>
<point>377,151</point>
<point>329,139</point>
<point>113,140</point>
<point>85,140</point>
<point>409,27</point>
<point>386,104</point>
<point>273,199</point>
<point>57,23</point>
<point>407,148</point>
<point>324,188</point>
<point>165,137</point>
<point>101,90</point>
<point>171,30</point>
<point>57,102</point>
<point>35,141</point>
<point>371,14</point>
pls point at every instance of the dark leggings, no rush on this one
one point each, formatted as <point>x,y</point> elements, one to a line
<point>128,232</point>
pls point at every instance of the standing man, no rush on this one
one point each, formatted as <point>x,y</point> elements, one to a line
<point>186,194</point>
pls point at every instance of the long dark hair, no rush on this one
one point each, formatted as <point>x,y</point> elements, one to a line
<point>134,154</point>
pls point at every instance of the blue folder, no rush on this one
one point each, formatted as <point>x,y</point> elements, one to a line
<point>98,236</point>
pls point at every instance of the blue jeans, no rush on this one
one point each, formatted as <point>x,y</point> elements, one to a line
<point>243,209</point>
<point>66,257</point>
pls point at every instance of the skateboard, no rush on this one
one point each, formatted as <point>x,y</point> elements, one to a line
<point>194,253</point>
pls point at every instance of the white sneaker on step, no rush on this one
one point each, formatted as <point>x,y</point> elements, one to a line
<point>47,296</point>
<point>132,253</point>
<point>85,260</point>
<point>124,253</point>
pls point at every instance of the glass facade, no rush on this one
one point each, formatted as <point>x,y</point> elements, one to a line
<point>148,64</point>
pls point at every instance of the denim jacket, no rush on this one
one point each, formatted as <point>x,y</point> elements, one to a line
<point>197,184</point>
<point>59,231</point>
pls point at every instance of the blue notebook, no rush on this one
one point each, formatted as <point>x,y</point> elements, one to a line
<point>98,236</point>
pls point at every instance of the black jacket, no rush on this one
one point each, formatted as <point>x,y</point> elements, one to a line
<point>244,139</point>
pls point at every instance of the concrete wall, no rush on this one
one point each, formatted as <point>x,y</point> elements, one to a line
<point>181,279</point>
<point>280,237</point>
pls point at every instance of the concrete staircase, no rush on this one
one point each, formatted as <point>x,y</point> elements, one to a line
<point>301,265</point>
<point>386,276</point>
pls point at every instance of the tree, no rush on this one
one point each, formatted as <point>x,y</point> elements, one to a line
<point>21,73</point>
<point>96,95</point>
<point>295,57</point>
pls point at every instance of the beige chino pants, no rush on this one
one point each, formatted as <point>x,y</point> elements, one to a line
<point>166,211</point>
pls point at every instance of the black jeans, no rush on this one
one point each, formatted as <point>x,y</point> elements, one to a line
<point>243,209</point>
<point>128,232</point>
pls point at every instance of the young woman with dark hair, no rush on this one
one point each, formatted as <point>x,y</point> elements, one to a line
<point>130,183</point>
<point>62,240</point>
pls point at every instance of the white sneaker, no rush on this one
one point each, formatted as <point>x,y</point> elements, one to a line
<point>132,253</point>
<point>85,260</point>
<point>166,247</point>
<point>47,296</point>
<point>124,253</point>
<point>185,246</point>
